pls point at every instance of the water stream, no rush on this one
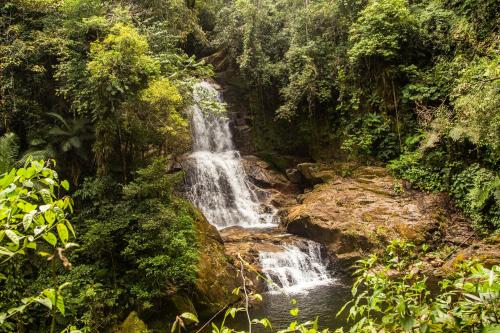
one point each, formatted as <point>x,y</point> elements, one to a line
<point>220,189</point>
<point>295,270</point>
<point>219,186</point>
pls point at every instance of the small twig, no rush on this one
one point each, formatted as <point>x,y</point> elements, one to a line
<point>458,246</point>
<point>211,319</point>
<point>246,294</point>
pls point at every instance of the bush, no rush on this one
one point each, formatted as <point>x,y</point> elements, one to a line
<point>138,246</point>
<point>412,167</point>
<point>477,192</point>
<point>391,296</point>
<point>370,135</point>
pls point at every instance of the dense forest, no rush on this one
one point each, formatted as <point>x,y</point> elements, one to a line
<point>96,230</point>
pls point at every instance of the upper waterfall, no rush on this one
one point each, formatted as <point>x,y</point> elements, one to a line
<point>218,183</point>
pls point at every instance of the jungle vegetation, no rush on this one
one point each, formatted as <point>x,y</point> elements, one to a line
<point>93,101</point>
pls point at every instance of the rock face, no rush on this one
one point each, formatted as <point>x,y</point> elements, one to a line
<point>361,213</point>
<point>265,176</point>
<point>272,186</point>
<point>315,173</point>
<point>216,275</point>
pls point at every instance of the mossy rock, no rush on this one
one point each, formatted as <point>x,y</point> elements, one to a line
<point>132,324</point>
<point>216,277</point>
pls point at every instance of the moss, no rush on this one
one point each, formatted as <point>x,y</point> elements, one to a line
<point>216,278</point>
<point>133,324</point>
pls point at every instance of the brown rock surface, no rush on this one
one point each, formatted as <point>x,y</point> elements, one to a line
<point>249,242</point>
<point>361,213</point>
<point>265,176</point>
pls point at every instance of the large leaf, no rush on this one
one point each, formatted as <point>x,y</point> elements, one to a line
<point>50,238</point>
<point>63,233</point>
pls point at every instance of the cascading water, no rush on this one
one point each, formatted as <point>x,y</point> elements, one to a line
<point>220,189</point>
<point>219,186</point>
<point>295,270</point>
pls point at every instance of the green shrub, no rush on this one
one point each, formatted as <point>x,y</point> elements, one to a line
<point>391,296</point>
<point>138,246</point>
<point>370,135</point>
<point>411,166</point>
<point>476,191</point>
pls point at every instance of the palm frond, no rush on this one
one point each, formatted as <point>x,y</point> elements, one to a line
<point>60,118</point>
<point>9,150</point>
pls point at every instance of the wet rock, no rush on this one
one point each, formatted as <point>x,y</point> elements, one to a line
<point>316,173</point>
<point>295,176</point>
<point>354,215</point>
<point>248,243</point>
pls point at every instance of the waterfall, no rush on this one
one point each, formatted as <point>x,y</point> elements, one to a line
<point>218,182</point>
<point>295,270</point>
<point>220,189</point>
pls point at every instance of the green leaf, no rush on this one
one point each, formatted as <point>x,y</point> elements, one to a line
<point>264,322</point>
<point>408,323</point>
<point>60,303</point>
<point>45,301</point>
<point>190,316</point>
<point>70,227</point>
<point>6,252</point>
<point>294,312</point>
<point>65,185</point>
<point>12,236</point>
<point>491,329</point>
<point>50,238</point>
<point>63,233</point>
<point>39,230</point>
<point>50,216</point>
<point>27,220</point>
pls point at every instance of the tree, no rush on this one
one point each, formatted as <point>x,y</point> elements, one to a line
<point>68,142</point>
<point>119,67</point>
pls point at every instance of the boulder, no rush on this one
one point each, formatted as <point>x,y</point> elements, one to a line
<point>132,324</point>
<point>316,173</point>
<point>265,176</point>
<point>352,216</point>
<point>295,176</point>
<point>217,277</point>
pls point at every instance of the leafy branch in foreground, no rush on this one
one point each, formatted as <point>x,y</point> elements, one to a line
<point>33,218</point>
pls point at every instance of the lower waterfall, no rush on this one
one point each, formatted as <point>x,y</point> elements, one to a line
<point>295,270</point>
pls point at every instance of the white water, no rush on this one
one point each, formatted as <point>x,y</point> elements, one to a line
<point>219,185</point>
<point>295,270</point>
<point>220,189</point>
